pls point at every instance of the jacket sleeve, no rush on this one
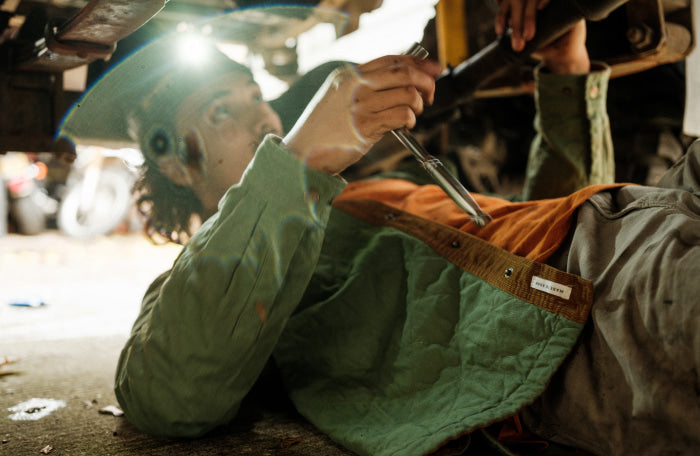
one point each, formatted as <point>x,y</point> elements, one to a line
<point>572,147</point>
<point>207,327</point>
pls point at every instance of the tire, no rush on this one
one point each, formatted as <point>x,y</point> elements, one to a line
<point>4,208</point>
<point>108,208</point>
<point>28,216</point>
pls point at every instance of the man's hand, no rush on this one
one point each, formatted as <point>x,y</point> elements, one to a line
<point>357,106</point>
<point>520,15</point>
<point>566,55</point>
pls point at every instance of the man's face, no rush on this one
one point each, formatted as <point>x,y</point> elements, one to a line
<point>227,120</point>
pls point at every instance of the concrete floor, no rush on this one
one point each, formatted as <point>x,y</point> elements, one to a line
<point>64,353</point>
<point>89,288</point>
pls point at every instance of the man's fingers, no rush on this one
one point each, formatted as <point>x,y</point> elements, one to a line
<point>529,18</point>
<point>381,62</point>
<point>427,65</point>
<point>399,76</point>
<point>501,21</point>
<point>516,26</point>
<point>373,126</point>
<point>376,102</point>
<point>521,17</point>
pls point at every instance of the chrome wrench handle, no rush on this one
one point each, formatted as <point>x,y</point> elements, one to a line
<point>436,169</point>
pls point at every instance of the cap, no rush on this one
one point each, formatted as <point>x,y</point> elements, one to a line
<point>143,91</point>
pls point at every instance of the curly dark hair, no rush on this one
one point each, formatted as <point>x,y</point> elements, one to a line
<point>172,211</point>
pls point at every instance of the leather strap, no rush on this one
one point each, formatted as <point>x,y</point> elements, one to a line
<point>536,283</point>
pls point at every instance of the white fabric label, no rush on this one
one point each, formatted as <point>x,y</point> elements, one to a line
<point>553,288</point>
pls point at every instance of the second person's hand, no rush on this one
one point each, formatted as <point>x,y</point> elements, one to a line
<point>565,55</point>
<point>520,16</point>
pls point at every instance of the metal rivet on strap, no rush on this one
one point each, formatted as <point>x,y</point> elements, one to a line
<point>509,272</point>
<point>455,244</point>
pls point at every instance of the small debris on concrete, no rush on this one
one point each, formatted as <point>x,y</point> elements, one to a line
<point>47,449</point>
<point>89,404</point>
<point>111,410</point>
<point>32,302</point>
<point>34,409</point>
<point>5,361</point>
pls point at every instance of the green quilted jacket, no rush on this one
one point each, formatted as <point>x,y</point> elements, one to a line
<point>394,334</point>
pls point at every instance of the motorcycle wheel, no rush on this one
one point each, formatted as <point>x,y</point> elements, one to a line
<point>4,208</point>
<point>108,207</point>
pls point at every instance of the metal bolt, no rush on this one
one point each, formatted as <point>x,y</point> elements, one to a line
<point>640,36</point>
<point>635,35</point>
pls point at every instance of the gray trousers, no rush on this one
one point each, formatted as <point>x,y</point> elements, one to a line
<point>632,384</point>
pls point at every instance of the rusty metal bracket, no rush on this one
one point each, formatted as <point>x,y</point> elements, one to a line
<point>654,40</point>
<point>92,33</point>
<point>80,49</point>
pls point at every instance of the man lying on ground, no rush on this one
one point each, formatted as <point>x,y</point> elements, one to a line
<point>397,324</point>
